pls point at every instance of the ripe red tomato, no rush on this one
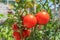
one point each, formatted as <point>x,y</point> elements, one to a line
<point>26,33</point>
<point>29,21</point>
<point>42,17</point>
<point>15,26</point>
<point>17,35</point>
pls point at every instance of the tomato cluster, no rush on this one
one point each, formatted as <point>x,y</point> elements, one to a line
<point>29,21</point>
<point>17,35</point>
<point>41,18</point>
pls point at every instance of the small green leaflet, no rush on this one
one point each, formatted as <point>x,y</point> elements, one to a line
<point>1,16</point>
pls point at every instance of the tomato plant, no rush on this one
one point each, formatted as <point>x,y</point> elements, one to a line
<point>40,23</point>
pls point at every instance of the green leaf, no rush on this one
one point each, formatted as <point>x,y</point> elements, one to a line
<point>1,15</point>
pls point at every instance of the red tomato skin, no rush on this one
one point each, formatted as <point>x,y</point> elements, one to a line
<point>25,33</point>
<point>15,26</point>
<point>29,21</point>
<point>17,39</point>
<point>42,17</point>
<point>17,35</point>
